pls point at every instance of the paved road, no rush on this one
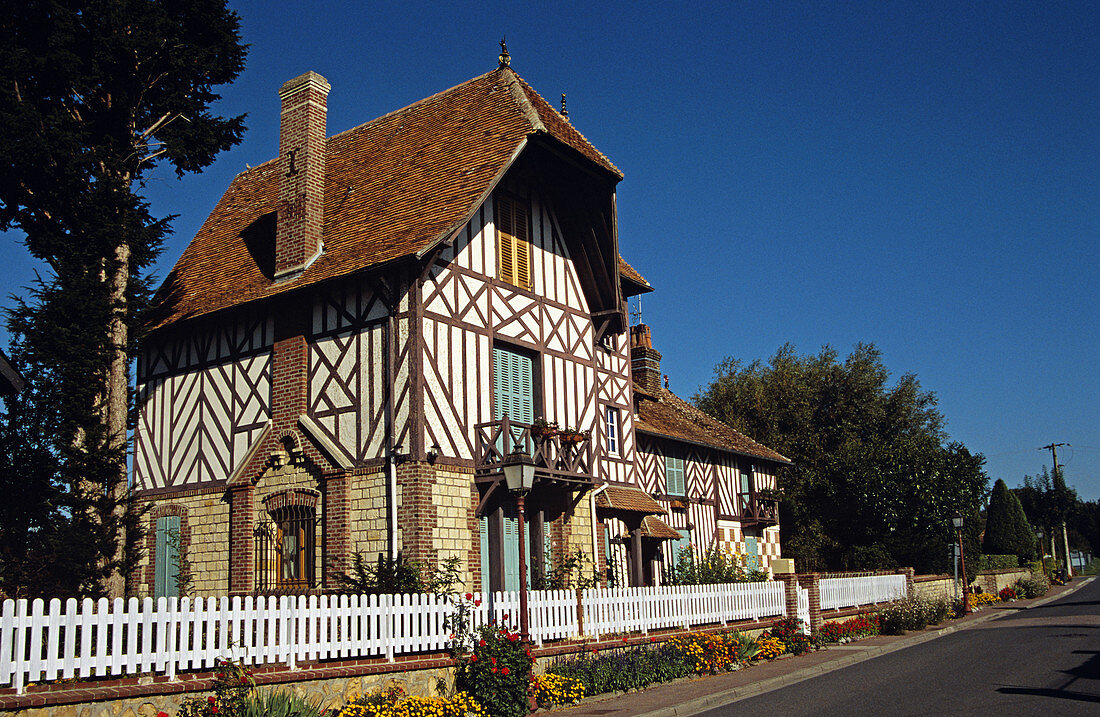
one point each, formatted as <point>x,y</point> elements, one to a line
<point>1040,661</point>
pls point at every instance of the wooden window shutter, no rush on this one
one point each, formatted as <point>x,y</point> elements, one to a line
<point>166,561</point>
<point>514,241</point>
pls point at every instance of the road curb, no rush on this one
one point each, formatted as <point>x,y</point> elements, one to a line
<point>736,694</point>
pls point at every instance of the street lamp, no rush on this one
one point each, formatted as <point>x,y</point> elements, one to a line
<point>957,521</point>
<point>1042,553</point>
<point>519,476</point>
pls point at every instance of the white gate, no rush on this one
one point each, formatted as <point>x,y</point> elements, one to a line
<point>804,609</point>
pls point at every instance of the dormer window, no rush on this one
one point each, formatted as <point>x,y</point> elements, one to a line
<point>513,240</point>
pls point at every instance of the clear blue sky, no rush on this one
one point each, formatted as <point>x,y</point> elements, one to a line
<point>925,177</point>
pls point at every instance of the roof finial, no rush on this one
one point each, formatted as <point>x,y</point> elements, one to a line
<point>636,313</point>
<point>505,59</point>
<point>564,112</point>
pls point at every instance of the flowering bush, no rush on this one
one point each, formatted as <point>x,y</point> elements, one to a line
<point>853,629</point>
<point>982,598</point>
<point>769,648</point>
<point>624,669</point>
<point>552,690</point>
<point>788,630</point>
<point>393,703</point>
<point>706,653</point>
<point>233,685</point>
<point>902,616</point>
<point>1007,594</point>
<point>496,671</point>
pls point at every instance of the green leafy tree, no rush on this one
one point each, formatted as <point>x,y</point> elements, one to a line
<point>1007,531</point>
<point>874,481</point>
<point>95,94</point>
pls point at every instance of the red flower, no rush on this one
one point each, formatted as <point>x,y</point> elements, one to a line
<point>243,679</point>
<point>595,651</point>
<point>473,658</point>
<point>162,714</point>
<point>481,644</point>
<point>211,699</point>
<point>528,651</point>
<point>505,671</point>
<point>652,639</point>
<point>505,616</point>
<point>494,660</point>
<point>214,709</point>
<point>469,596</point>
<point>513,637</point>
<point>625,639</point>
<point>477,603</point>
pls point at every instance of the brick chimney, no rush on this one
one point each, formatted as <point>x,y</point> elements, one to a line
<point>645,361</point>
<point>302,173</point>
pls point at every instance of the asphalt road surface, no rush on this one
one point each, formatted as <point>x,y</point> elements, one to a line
<point>1040,661</point>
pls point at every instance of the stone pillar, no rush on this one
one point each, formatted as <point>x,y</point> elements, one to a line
<point>242,518</point>
<point>812,583</point>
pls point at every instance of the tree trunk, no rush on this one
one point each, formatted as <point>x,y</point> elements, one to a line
<point>116,408</point>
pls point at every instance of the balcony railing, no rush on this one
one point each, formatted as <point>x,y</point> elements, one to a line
<point>556,459</point>
<point>757,510</point>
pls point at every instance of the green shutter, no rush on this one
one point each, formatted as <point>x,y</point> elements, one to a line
<point>166,561</point>
<point>674,476</point>
<point>483,529</point>
<point>513,388</point>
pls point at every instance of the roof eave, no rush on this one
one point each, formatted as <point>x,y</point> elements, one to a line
<point>714,446</point>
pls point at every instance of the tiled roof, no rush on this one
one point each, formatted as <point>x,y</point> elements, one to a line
<point>393,187</point>
<point>654,527</point>
<point>629,272</point>
<point>670,416</point>
<point>636,500</point>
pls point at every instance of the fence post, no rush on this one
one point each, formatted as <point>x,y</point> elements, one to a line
<point>812,583</point>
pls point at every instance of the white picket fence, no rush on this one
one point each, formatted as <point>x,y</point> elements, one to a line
<point>836,593</point>
<point>47,641</point>
<point>804,609</point>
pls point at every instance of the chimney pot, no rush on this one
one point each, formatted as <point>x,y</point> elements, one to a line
<point>645,361</point>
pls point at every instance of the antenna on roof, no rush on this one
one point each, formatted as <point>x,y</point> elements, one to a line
<point>636,312</point>
<point>504,58</point>
<point>564,112</point>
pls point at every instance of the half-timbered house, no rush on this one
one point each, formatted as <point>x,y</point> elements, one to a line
<point>365,325</point>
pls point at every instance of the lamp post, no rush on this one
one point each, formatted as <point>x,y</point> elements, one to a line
<point>1042,553</point>
<point>519,476</point>
<point>957,521</point>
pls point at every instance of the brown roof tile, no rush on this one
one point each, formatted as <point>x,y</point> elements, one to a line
<point>654,527</point>
<point>393,187</point>
<point>635,500</point>
<point>669,415</point>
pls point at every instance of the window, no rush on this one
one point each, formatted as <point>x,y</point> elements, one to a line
<point>285,548</point>
<point>745,488</point>
<point>166,562</point>
<point>612,431</point>
<point>674,476</point>
<point>513,240</point>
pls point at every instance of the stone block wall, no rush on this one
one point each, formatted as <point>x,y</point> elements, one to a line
<point>204,537</point>
<point>368,520</point>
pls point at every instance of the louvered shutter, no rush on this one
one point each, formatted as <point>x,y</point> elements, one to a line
<point>483,530</point>
<point>514,241</point>
<point>752,554</point>
<point>674,476</point>
<point>513,388</point>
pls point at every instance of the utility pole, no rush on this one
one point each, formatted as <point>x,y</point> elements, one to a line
<point>1053,448</point>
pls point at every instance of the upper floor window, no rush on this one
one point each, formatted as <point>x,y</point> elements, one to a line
<point>612,431</point>
<point>513,240</point>
<point>674,476</point>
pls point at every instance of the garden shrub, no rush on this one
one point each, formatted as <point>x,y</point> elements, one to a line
<point>626,669</point>
<point>554,690</point>
<point>496,671</point>
<point>997,562</point>
<point>280,703</point>
<point>903,616</point>
<point>788,630</point>
<point>707,653</point>
<point>1007,593</point>
<point>937,609</point>
<point>233,685</point>
<point>852,629</point>
<point>768,648</point>
<point>1035,586</point>
<point>712,567</point>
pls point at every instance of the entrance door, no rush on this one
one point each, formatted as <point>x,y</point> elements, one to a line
<point>499,531</point>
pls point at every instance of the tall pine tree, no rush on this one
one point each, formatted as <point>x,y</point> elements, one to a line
<point>94,94</point>
<point>1007,531</point>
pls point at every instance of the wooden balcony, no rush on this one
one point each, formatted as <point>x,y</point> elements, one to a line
<point>757,510</point>
<point>566,463</point>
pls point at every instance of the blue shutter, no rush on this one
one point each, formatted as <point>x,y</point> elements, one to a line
<point>166,561</point>
<point>513,388</point>
<point>752,554</point>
